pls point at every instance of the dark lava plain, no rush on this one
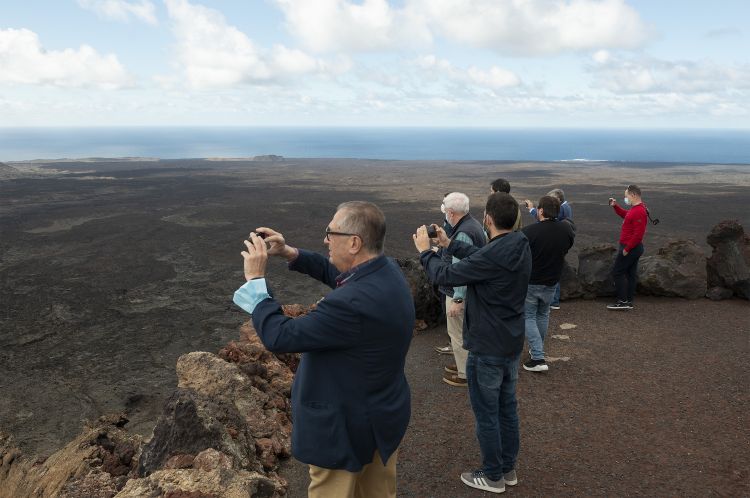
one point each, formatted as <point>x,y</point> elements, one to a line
<point>109,271</point>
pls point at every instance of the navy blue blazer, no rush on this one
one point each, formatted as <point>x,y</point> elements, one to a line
<point>350,396</point>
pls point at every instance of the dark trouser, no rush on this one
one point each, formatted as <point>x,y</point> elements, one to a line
<point>625,273</point>
<point>492,392</point>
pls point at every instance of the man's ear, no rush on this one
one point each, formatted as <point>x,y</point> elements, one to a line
<point>355,246</point>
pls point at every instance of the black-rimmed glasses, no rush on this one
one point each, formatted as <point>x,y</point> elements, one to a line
<point>330,232</point>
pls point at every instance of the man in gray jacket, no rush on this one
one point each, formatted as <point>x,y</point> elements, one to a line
<point>496,277</point>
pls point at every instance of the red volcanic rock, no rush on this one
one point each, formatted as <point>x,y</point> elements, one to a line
<point>210,459</point>
<point>180,461</point>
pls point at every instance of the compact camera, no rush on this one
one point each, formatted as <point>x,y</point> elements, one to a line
<point>432,231</point>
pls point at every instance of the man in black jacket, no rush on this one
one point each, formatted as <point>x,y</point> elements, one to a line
<point>496,277</point>
<point>550,241</point>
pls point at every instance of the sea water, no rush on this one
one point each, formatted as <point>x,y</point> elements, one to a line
<point>684,146</point>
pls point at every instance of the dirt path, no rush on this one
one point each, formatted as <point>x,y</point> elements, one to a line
<point>653,402</point>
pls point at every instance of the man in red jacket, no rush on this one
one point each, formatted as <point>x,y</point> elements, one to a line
<point>625,270</point>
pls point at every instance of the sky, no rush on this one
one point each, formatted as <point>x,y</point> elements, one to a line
<point>445,63</point>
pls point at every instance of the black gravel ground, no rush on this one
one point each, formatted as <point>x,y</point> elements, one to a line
<point>651,402</point>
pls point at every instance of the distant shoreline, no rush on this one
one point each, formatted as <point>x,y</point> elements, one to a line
<point>407,144</point>
<point>580,161</point>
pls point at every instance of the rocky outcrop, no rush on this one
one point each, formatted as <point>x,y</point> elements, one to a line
<point>221,434</point>
<point>198,483</point>
<point>426,297</point>
<point>678,269</point>
<point>595,270</point>
<point>570,286</point>
<point>96,464</point>
<point>729,264</point>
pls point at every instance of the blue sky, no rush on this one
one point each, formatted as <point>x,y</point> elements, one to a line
<point>488,63</point>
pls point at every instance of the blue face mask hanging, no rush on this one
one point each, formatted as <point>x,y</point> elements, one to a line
<point>627,200</point>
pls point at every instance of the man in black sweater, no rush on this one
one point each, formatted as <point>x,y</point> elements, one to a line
<point>549,241</point>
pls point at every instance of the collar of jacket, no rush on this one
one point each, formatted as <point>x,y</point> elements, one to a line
<point>496,237</point>
<point>455,228</point>
<point>361,270</point>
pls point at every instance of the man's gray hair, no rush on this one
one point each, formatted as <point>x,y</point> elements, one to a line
<point>557,192</point>
<point>367,221</point>
<point>457,202</point>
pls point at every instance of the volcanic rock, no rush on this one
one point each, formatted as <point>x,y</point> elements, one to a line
<point>678,269</point>
<point>595,270</point>
<point>191,422</point>
<point>719,293</point>
<point>197,483</point>
<point>96,464</point>
<point>729,264</point>
<point>426,297</point>
<point>570,286</point>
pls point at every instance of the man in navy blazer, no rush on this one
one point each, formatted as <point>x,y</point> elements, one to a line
<point>351,402</point>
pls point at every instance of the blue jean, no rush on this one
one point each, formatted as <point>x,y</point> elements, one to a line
<point>492,391</point>
<point>556,298</point>
<point>536,310</point>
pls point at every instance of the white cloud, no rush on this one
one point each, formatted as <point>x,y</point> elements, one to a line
<point>520,27</point>
<point>538,27</point>
<point>651,75</point>
<point>494,78</point>
<point>213,53</point>
<point>23,60</point>
<point>344,26</point>
<point>122,10</point>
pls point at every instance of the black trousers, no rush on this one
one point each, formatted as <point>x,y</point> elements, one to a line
<point>625,272</point>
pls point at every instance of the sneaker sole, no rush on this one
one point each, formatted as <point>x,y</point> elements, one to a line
<point>457,384</point>
<point>511,483</point>
<point>440,351</point>
<point>483,488</point>
<point>450,370</point>
<point>624,308</point>
<point>552,308</point>
<point>538,368</point>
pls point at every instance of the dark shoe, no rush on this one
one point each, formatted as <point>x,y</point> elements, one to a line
<point>620,305</point>
<point>536,366</point>
<point>552,307</point>
<point>478,480</point>
<point>511,479</point>
<point>451,369</point>
<point>454,380</point>
<point>444,349</point>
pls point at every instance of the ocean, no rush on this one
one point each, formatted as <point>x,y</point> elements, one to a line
<point>683,146</point>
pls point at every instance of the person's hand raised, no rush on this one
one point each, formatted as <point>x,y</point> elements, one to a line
<point>276,243</point>
<point>442,237</point>
<point>255,257</point>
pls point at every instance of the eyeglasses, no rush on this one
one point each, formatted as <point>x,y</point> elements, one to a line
<point>330,232</point>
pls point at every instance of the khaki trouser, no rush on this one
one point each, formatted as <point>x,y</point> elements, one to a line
<point>456,333</point>
<point>375,480</point>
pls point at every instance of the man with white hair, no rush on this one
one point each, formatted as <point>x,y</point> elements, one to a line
<point>465,228</point>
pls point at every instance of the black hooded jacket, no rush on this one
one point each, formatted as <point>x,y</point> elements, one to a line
<point>497,277</point>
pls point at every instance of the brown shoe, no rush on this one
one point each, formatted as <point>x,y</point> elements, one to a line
<point>454,380</point>
<point>451,369</point>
